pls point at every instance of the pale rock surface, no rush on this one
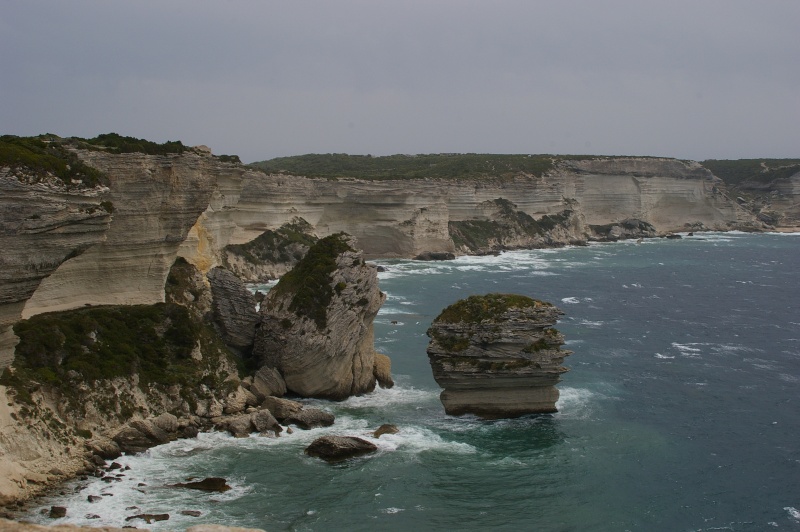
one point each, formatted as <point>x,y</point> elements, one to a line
<point>334,362</point>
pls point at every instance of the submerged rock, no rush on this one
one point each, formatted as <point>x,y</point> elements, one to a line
<point>336,448</point>
<point>310,418</point>
<point>218,484</point>
<point>386,428</point>
<point>497,356</point>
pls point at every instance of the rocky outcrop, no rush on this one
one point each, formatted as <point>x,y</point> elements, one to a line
<point>504,227</point>
<point>497,356</point>
<point>234,310</point>
<point>316,327</point>
<point>337,448</point>
<point>271,254</point>
<point>626,229</point>
<point>383,370</point>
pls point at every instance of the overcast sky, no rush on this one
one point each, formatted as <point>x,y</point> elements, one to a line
<point>689,79</point>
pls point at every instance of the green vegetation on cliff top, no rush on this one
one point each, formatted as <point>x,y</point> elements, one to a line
<point>476,309</point>
<point>757,170</point>
<point>442,165</point>
<point>46,155</point>
<point>309,281</point>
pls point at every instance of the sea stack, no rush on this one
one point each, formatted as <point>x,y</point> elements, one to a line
<point>316,325</point>
<point>497,356</point>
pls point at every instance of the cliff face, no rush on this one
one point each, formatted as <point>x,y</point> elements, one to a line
<point>43,223</point>
<point>497,356</point>
<point>67,247</point>
<point>316,324</point>
<point>403,218</point>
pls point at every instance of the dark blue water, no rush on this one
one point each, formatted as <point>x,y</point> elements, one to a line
<point>681,410</point>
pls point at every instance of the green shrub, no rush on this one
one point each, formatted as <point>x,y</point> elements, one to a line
<point>476,309</point>
<point>309,282</point>
<point>47,155</point>
<point>116,143</point>
<point>443,165</point>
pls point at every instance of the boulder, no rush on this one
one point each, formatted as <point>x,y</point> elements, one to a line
<point>263,422</point>
<point>236,401</point>
<point>382,370</point>
<point>166,422</point>
<point>386,428</point>
<point>497,356</point>
<point>281,408</point>
<point>217,484</point>
<point>317,322</point>
<point>336,448</point>
<point>310,418</point>
<point>104,448</point>
<point>239,426</point>
<point>57,512</point>
<point>435,255</point>
<point>149,518</point>
<point>267,382</point>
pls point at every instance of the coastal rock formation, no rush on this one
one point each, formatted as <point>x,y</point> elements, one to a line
<point>497,356</point>
<point>271,254</point>
<point>337,448</point>
<point>407,217</point>
<point>504,227</point>
<point>626,229</point>
<point>234,310</point>
<point>316,327</point>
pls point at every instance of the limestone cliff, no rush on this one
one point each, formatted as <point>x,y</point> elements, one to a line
<point>406,217</point>
<point>497,356</point>
<point>316,323</point>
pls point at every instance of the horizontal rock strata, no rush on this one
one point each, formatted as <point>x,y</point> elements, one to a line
<point>497,356</point>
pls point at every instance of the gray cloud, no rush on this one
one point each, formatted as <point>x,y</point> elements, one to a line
<point>709,79</point>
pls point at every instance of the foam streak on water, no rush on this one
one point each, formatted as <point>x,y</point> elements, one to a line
<point>679,411</point>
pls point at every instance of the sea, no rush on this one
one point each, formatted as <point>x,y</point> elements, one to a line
<point>680,412</point>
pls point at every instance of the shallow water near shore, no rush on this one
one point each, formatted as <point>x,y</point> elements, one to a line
<point>681,410</point>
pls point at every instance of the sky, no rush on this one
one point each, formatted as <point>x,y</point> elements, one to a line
<point>696,79</point>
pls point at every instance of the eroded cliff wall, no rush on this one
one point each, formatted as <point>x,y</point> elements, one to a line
<point>70,247</point>
<point>402,218</point>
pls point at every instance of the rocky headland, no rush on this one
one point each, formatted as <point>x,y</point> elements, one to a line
<point>497,356</point>
<point>111,241</point>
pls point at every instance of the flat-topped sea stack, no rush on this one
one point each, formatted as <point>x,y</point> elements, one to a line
<point>497,356</point>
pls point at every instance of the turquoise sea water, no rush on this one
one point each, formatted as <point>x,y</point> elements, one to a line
<point>681,410</point>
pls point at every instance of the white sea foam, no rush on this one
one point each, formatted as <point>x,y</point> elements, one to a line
<point>575,403</point>
<point>570,300</point>
<point>659,355</point>
<point>413,439</point>
<point>588,323</point>
<point>687,350</point>
<point>794,512</point>
<point>387,397</point>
